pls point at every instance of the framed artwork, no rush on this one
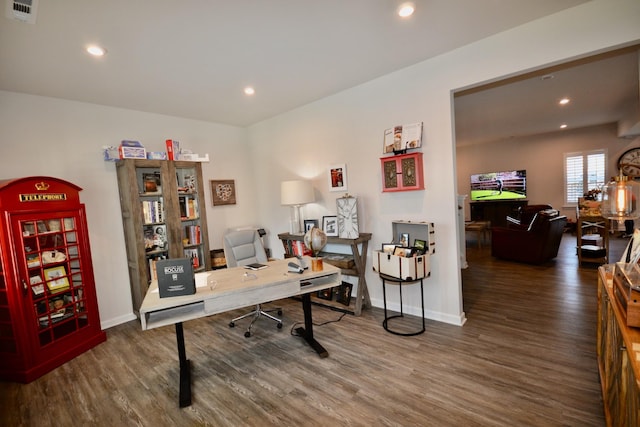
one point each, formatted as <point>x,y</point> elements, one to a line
<point>403,238</point>
<point>420,245</point>
<point>343,293</point>
<point>223,192</point>
<point>56,278</point>
<point>338,178</point>
<point>309,224</point>
<point>388,248</point>
<point>330,225</point>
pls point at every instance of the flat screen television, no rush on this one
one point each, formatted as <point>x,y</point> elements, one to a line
<point>508,185</point>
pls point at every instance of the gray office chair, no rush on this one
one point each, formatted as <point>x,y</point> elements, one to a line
<point>244,247</point>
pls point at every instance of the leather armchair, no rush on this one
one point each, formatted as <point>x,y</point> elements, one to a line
<point>536,244</point>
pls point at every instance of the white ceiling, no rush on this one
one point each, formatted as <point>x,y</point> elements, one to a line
<point>192,58</point>
<point>602,89</point>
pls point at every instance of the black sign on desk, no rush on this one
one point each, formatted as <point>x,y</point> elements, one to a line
<point>175,277</point>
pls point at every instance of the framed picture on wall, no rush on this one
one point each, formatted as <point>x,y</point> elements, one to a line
<point>223,192</point>
<point>338,178</point>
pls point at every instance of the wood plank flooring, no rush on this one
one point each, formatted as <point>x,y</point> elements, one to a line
<point>525,357</point>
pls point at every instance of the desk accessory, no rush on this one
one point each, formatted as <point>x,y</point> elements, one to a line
<point>295,268</point>
<point>255,266</point>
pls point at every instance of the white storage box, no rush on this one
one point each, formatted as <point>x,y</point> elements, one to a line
<point>411,268</point>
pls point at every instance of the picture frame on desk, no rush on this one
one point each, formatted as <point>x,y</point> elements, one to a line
<point>330,225</point>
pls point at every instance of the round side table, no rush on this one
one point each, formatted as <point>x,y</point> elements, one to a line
<point>400,282</point>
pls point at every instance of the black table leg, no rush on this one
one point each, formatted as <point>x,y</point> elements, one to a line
<point>185,369</point>
<point>307,331</point>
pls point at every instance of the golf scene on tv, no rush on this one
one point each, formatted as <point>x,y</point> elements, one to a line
<point>499,185</point>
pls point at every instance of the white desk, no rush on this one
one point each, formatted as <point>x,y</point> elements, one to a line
<point>230,289</point>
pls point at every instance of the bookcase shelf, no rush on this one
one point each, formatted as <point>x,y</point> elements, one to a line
<point>48,306</point>
<point>163,215</point>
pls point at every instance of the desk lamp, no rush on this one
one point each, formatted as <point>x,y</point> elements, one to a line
<point>296,194</point>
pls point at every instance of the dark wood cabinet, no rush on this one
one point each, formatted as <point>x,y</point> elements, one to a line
<point>495,212</point>
<point>164,216</point>
<point>48,304</point>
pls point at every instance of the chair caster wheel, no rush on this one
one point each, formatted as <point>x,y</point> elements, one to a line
<point>231,324</point>
<point>247,334</point>
<point>279,312</point>
<point>279,325</point>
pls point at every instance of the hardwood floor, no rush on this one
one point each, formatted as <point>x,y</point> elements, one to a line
<point>525,357</point>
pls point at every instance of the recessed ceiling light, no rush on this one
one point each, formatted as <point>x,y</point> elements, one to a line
<point>564,101</point>
<point>249,90</point>
<point>406,9</point>
<point>96,50</point>
<point>563,126</point>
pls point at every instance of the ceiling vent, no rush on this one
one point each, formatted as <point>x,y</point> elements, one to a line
<point>22,10</point>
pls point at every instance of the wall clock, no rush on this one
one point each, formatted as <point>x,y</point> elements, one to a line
<point>629,162</point>
<point>347,217</point>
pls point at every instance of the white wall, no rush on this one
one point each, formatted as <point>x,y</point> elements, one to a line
<point>348,128</point>
<point>543,158</point>
<point>44,136</point>
<point>52,137</point>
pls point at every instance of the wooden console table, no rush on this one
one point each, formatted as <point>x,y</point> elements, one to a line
<point>360,260</point>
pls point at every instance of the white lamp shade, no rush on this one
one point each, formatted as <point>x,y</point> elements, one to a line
<point>296,192</point>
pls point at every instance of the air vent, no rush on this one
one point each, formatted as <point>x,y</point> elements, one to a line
<point>22,10</point>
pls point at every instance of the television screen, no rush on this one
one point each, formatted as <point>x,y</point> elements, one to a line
<point>507,185</point>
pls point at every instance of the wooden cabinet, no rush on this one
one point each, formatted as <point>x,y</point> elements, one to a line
<point>355,266</point>
<point>163,215</point>
<point>496,212</point>
<point>617,347</point>
<point>592,239</point>
<point>402,172</point>
<point>48,305</point>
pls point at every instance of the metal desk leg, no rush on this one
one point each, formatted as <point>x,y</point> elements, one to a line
<point>185,369</point>
<point>307,331</point>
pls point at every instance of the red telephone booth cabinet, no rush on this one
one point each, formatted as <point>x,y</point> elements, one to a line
<point>48,305</point>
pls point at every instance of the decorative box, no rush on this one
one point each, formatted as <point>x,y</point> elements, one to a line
<point>404,268</point>
<point>132,150</point>
<point>626,288</point>
<point>416,235</point>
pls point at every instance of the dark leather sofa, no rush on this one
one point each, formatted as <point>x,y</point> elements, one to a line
<point>533,243</point>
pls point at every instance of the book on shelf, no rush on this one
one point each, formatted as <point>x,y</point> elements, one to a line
<point>194,256</point>
<point>152,211</point>
<point>193,234</point>
<point>188,207</point>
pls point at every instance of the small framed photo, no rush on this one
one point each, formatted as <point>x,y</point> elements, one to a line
<point>388,248</point>
<point>330,225</point>
<point>309,224</point>
<point>403,239</point>
<point>400,251</point>
<point>56,278</point>
<point>343,293</point>
<point>326,294</point>
<point>223,192</point>
<point>420,246</point>
<point>338,178</point>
